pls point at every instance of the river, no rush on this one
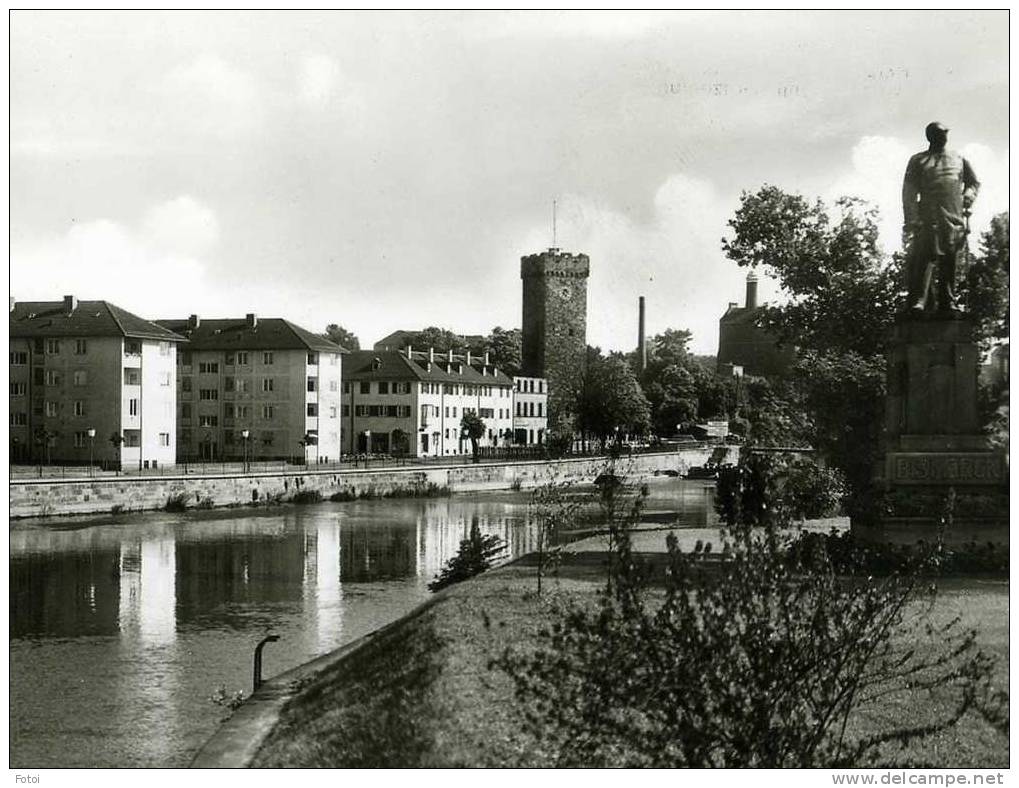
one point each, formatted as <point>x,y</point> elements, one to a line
<point>122,628</point>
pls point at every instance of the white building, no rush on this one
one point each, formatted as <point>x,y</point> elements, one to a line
<point>91,382</point>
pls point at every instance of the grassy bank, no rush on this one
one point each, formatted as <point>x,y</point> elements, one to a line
<point>424,696</point>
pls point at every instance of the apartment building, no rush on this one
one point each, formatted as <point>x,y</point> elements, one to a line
<point>91,382</point>
<point>530,410</point>
<point>411,402</point>
<point>260,388</point>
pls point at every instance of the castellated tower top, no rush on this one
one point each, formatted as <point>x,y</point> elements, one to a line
<point>555,263</point>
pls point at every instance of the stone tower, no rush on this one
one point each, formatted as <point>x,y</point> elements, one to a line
<point>554,334</point>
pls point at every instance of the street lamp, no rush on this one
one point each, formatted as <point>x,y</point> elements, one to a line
<point>91,447</point>
<point>245,434</point>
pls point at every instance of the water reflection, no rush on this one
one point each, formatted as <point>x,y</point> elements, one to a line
<point>158,611</point>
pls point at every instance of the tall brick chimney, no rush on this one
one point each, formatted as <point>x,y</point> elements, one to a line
<point>641,334</point>
<point>751,290</point>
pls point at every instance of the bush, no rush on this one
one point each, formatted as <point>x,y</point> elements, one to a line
<point>744,659</point>
<point>307,496</point>
<point>812,491</point>
<point>177,502</point>
<point>474,557</point>
<point>205,503</point>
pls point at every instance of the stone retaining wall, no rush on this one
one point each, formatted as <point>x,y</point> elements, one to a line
<point>49,498</point>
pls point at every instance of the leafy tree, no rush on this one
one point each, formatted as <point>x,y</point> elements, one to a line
<point>472,426</point>
<point>342,337</point>
<point>504,349</point>
<point>441,339</point>
<point>611,399</point>
<point>841,294</point>
<point>984,289</point>
<point>475,556</point>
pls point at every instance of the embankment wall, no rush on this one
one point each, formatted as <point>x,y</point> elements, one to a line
<point>56,497</point>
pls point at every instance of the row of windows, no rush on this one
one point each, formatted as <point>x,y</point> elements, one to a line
<point>241,385</point>
<point>527,386</point>
<point>527,409</point>
<point>52,377</point>
<point>242,358</point>
<point>234,437</point>
<point>386,411</point>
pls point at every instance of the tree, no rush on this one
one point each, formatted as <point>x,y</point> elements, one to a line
<point>342,337</point>
<point>504,349</point>
<point>841,294</point>
<point>400,443</point>
<point>984,289</point>
<point>611,399</point>
<point>472,426</point>
<point>475,556</point>
<point>442,340</point>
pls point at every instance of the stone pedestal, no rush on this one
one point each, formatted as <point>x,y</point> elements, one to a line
<point>933,442</point>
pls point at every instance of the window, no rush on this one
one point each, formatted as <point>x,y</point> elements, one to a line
<point>164,378</point>
<point>185,410</point>
<point>346,387</point>
<point>391,411</point>
<point>19,358</point>
<point>332,385</point>
<point>332,411</point>
<point>52,347</point>
<point>519,406</point>
<point>132,348</point>
<point>447,412</point>
<point>334,359</point>
<point>454,411</point>
<point>313,358</point>
<point>267,357</point>
<point>312,409</point>
<point>345,410</point>
<point>185,384</point>
<point>266,384</point>
<point>243,385</point>
<point>267,412</point>
<point>164,348</point>
<point>80,440</point>
<point>208,367</point>
<point>19,419</point>
<point>228,359</point>
<point>132,438</point>
<point>486,413</point>
<point>52,377</point>
<point>208,421</point>
<point>539,408</point>
<point>18,389</point>
<point>530,407</point>
<point>132,376</point>
<point>185,358</point>
<point>79,408</point>
<point>80,347</point>
<point>132,407</point>
<point>242,359</point>
<point>80,377</point>
<point>541,386</point>
<point>228,384</point>
<point>312,384</point>
<point>267,438</point>
<point>228,410</point>
<point>366,387</point>
<point>243,411</point>
<point>164,439</point>
<point>383,387</point>
<point>208,394</point>
<point>52,408</point>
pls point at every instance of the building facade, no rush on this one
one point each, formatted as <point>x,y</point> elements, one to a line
<point>554,327</point>
<point>746,348</point>
<point>530,411</point>
<point>409,402</point>
<point>256,388</point>
<point>91,383</point>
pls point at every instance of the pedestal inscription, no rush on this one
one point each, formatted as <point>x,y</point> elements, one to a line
<point>947,468</point>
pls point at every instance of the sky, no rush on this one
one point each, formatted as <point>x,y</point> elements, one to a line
<point>387,171</point>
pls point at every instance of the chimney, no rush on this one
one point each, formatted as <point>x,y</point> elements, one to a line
<point>486,358</point>
<point>251,319</point>
<point>751,290</point>
<point>431,355</point>
<point>468,357</point>
<point>410,352</point>
<point>450,355</point>
<point>70,304</point>
<point>194,321</point>
<point>641,335</point>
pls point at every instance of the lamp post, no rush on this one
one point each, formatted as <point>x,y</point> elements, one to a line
<point>245,434</point>
<point>367,446</point>
<point>91,448</point>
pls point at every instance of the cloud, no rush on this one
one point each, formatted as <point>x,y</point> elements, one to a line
<point>211,77</point>
<point>317,78</point>
<point>154,271</point>
<point>210,97</point>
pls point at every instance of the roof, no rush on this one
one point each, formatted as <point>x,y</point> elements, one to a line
<point>267,333</point>
<point>395,365</point>
<point>87,319</point>
<point>398,340</point>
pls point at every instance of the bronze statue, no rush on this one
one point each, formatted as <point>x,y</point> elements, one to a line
<point>937,191</point>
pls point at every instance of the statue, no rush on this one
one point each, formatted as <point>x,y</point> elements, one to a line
<point>937,191</point>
